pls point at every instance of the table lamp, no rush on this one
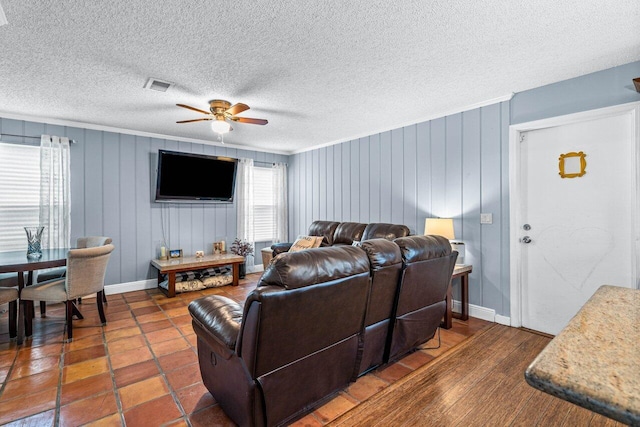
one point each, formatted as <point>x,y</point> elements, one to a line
<point>444,227</point>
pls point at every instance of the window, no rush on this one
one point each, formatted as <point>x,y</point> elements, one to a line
<point>264,205</point>
<point>19,193</point>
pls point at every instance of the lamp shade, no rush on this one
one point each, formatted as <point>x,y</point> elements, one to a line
<point>439,226</point>
<point>220,126</point>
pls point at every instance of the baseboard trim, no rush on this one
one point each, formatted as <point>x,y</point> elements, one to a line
<point>483,313</point>
<point>257,268</point>
<point>503,320</point>
<point>140,285</point>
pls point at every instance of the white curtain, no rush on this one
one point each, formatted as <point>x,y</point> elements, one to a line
<point>55,191</point>
<point>280,219</point>
<point>245,205</point>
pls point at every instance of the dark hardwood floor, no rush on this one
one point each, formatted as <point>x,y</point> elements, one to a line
<point>478,383</point>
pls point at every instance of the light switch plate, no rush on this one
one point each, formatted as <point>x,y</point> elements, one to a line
<point>486,218</point>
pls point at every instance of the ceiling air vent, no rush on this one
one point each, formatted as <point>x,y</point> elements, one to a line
<point>157,85</point>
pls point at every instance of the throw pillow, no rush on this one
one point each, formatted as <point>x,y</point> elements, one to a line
<point>305,242</point>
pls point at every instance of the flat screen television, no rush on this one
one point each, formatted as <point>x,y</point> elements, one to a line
<point>195,178</point>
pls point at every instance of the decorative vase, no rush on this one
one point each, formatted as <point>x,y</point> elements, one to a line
<point>34,242</point>
<point>242,270</point>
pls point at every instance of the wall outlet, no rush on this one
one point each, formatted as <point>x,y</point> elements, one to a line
<point>486,218</point>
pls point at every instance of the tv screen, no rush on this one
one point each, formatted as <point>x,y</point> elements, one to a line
<point>195,178</point>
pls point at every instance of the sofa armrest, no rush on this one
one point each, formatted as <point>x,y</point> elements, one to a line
<point>279,248</point>
<point>217,319</point>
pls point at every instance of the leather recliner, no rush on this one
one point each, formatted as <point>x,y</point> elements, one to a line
<point>296,341</point>
<point>385,263</point>
<point>428,263</point>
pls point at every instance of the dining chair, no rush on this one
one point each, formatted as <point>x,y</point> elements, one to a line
<point>57,273</point>
<point>9,294</point>
<point>86,268</point>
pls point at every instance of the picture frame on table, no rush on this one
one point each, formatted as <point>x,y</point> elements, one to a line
<point>175,253</point>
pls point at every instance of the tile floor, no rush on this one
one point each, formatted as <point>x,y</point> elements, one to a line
<point>141,369</point>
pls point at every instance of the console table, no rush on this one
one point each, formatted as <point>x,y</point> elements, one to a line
<point>461,271</point>
<point>172,266</point>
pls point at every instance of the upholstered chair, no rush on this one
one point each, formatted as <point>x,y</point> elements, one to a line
<point>57,273</point>
<point>9,294</point>
<point>82,242</point>
<point>86,269</point>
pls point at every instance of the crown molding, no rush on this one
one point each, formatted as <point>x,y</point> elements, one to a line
<point>91,126</point>
<point>413,122</point>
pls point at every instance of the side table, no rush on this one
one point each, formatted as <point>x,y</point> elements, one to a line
<point>462,271</point>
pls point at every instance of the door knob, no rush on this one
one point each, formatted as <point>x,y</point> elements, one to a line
<point>526,239</point>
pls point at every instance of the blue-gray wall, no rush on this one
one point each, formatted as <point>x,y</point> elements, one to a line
<point>613,86</point>
<point>455,166</point>
<point>112,175</point>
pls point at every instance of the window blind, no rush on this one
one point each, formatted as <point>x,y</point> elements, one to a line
<point>264,204</point>
<point>19,193</point>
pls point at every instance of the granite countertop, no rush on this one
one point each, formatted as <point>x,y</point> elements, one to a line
<point>595,361</point>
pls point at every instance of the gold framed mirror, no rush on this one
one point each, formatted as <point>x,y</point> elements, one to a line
<point>573,174</point>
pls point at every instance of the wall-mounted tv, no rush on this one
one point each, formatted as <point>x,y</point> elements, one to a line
<point>195,178</point>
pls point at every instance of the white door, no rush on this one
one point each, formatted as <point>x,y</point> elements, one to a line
<point>575,234</point>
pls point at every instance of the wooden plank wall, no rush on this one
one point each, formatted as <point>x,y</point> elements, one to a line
<point>455,166</point>
<point>112,179</point>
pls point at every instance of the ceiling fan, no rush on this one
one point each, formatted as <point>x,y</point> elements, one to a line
<point>220,112</point>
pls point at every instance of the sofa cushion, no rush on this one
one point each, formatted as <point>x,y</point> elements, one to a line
<point>292,270</point>
<point>326,229</point>
<point>420,248</point>
<point>381,253</point>
<point>379,230</point>
<point>348,232</point>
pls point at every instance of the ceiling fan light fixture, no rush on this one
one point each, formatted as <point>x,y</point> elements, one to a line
<point>220,126</point>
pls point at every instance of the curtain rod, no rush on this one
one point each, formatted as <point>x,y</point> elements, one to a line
<point>265,163</point>
<point>72,141</point>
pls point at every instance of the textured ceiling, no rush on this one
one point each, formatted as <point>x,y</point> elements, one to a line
<point>320,72</point>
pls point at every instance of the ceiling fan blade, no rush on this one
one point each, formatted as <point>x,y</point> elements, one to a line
<point>194,120</point>
<point>236,109</point>
<point>193,108</point>
<point>250,120</point>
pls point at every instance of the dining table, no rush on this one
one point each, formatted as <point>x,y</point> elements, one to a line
<point>17,262</point>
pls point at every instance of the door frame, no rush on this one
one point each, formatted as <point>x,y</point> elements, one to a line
<point>515,190</point>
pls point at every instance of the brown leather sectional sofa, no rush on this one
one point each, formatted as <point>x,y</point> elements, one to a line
<point>345,233</point>
<point>317,320</point>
